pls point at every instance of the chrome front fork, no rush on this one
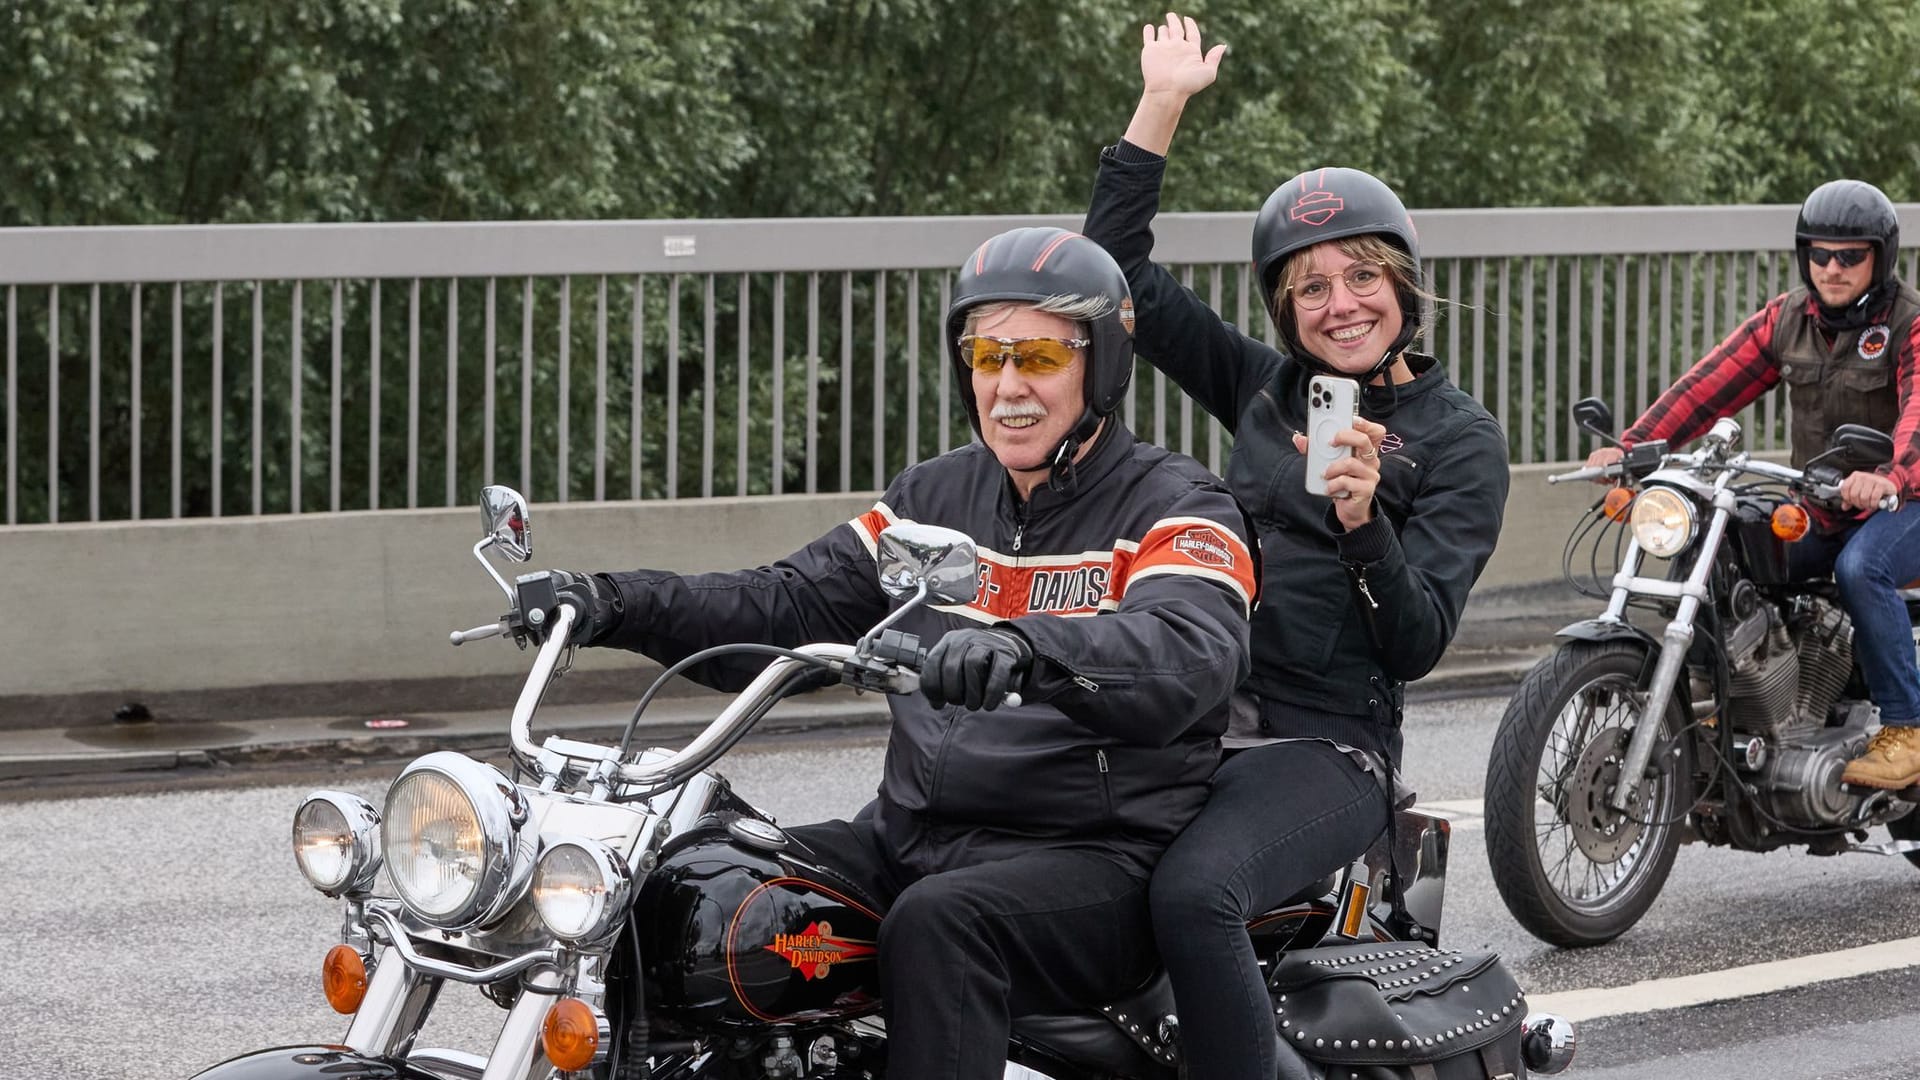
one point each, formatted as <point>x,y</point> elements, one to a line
<point>396,1005</point>
<point>1674,642</point>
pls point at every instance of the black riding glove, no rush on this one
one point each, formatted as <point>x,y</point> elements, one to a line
<point>976,667</point>
<point>599,603</point>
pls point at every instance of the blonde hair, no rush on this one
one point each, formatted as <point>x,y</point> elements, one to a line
<point>1367,247</point>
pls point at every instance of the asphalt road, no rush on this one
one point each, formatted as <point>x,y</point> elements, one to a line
<point>152,930</point>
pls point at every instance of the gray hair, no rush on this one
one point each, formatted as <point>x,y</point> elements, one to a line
<point>1080,309</point>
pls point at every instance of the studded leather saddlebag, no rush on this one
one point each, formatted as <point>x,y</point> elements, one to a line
<point>1401,1011</point>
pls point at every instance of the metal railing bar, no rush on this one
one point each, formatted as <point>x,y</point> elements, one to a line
<point>85,255</point>
<point>333,406</point>
<point>879,378</point>
<point>296,361</point>
<point>600,390</point>
<point>1664,375</point>
<point>1526,361</point>
<point>526,387</point>
<point>453,391</point>
<point>1597,328</point>
<point>1642,342</point>
<point>706,390</point>
<point>1480,330</point>
<point>490,367</point>
<point>13,404</point>
<point>218,402</point>
<point>53,404</point>
<point>133,415</point>
<point>1574,281</point>
<point>413,393</point>
<point>1620,385</point>
<point>93,405</point>
<point>945,392</point>
<point>673,387</point>
<point>1551,361</point>
<point>1687,354</point>
<point>564,486</point>
<point>259,387</point>
<point>742,371</point>
<point>913,367</point>
<point>777,437</point>
<point>373,398</point>
<point>178,400</point>
<point>1503,342</point>
<point>846,381</point>
<point>812,418</point>
<point>636,417</point>
<point>1773,400</point>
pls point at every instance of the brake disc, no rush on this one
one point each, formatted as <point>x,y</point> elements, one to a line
<point>1602,833</point>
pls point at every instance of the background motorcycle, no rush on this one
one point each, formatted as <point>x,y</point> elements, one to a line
<point>636,918</point>
<point>1732,726</point>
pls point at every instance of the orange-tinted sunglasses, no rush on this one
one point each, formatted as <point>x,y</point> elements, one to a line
<point>1031,356</point>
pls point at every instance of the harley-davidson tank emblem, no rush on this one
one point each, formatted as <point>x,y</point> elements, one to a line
<point>815,950</point>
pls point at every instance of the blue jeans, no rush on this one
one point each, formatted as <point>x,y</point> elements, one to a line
<point>1870,561</point>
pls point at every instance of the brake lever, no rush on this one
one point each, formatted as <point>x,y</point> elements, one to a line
<point>461,637</point>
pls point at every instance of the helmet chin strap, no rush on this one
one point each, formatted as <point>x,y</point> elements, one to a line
<point>1063,475</point>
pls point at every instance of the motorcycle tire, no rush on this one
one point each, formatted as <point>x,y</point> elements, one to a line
<point>1592,679</point>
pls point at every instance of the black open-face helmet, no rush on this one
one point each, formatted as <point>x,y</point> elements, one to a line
<point>1332,204</point>
<point>1034,265</point>
<point>1850,210</point>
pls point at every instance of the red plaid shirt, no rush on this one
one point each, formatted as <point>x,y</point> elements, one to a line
<point>1743,367</point>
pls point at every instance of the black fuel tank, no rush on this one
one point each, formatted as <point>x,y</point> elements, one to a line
<point>732,934</point>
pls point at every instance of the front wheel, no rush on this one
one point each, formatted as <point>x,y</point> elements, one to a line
<point>1573,870</point>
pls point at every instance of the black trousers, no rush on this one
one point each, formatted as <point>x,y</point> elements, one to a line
<point>1279,818</point>
<point>963,951</point>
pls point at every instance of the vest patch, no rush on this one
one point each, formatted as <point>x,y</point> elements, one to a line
<point>1873,341</point>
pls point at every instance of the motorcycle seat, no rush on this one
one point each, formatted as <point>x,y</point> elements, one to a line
<point>1123,1037</point>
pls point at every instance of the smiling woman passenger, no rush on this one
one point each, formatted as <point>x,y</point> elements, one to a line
<point>1362,590</point>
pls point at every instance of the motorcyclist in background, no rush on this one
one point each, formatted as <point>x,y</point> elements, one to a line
<point>1845,342</point>
<point>1010,846</point>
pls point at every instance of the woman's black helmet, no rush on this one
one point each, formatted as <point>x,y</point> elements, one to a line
<point>1850,210</point>
<point>1332,204</point>
<point>1034,265</point>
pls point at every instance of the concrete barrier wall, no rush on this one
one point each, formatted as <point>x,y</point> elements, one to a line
<point>285,613</point>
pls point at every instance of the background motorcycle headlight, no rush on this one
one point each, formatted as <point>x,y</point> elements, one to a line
<point>1662,522</point>
<point>336,841</point>
<point>580,889</point>
<point>453,840</point>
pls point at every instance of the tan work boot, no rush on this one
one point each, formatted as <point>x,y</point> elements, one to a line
<point>1892,759</point>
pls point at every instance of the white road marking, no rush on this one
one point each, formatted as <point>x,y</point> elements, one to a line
<point>1751,980</point>
<point>1462,813</point>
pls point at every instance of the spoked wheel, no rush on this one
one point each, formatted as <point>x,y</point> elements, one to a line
<point>1573,870</point>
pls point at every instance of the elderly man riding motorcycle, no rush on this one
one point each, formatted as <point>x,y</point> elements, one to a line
<point>1845,342</point>
<point>1010,843</point>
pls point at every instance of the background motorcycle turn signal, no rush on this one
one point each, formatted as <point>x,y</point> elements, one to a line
<point>1789,522</point>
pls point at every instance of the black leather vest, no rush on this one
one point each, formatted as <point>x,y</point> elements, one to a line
<point>1846,379</point>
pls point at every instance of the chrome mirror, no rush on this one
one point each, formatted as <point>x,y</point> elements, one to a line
<point>913,556</point>
<point>503,512</point>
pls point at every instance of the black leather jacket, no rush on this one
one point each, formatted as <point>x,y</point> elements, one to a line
<point>1345,617</point>
<point>1133,590</point>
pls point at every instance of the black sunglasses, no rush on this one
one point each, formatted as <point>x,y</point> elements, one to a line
<point>1847,256</point>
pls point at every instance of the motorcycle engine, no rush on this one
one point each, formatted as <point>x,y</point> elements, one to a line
<point>1784,684</point>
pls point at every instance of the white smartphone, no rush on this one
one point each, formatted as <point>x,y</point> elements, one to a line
<point>1332,405</point>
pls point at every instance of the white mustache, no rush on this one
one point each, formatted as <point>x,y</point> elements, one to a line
<point>1015,410</point>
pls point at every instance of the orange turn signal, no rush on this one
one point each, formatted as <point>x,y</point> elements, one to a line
<point>344,977</point>
<point>1789,522</point>
<point>571,1035</point>
<point>1618,500</point>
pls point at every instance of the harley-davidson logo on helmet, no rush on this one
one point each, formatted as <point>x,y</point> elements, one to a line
<point>1316,208</point>
<point>1873,341</point>
<point>1126,315</point>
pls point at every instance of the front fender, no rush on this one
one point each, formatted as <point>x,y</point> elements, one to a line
<point>312,1063</point>
<point>1608,630</point>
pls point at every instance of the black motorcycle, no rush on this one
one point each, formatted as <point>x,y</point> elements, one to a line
<point>1730,726</point>
<point>636,918</point>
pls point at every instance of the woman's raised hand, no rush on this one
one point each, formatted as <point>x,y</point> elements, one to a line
<point>1171,61</point>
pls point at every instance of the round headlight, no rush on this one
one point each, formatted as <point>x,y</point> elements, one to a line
<point>336,841</point>
<point>453,842</point>
<point>580,889</point>
<point>1662,522</point>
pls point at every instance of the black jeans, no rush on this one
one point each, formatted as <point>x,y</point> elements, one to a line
<point>963,951</point>
<point>1279,818</point>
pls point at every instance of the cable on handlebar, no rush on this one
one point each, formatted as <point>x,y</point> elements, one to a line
<point>701,657</point>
